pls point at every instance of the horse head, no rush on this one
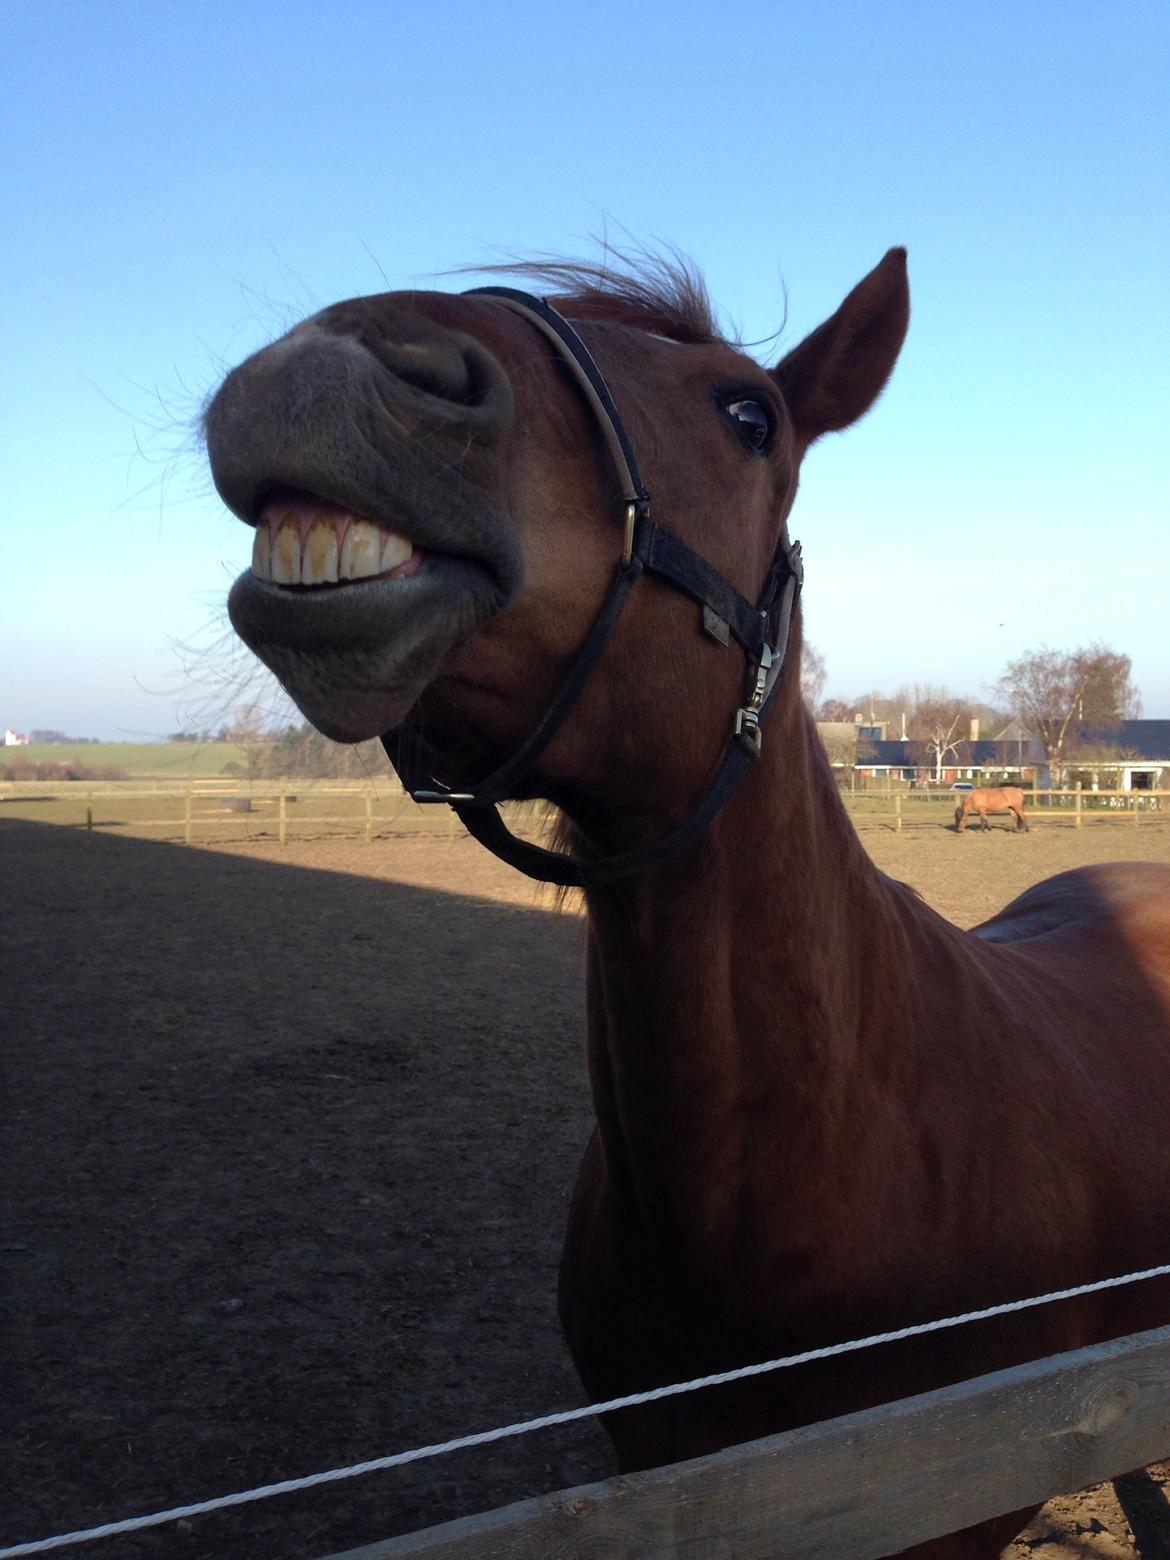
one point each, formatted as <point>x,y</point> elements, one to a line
<point>437,525</point>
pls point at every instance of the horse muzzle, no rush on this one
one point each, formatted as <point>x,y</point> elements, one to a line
<point>364,450</point>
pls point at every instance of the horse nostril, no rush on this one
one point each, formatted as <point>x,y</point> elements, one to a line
<point>447,370</point>
<point>423,357</point>
<point>448,379</point>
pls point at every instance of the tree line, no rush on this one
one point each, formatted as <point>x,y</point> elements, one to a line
<point>296,752</point>
<point>1069,701</point>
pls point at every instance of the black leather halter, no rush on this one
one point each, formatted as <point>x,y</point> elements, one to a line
<point>761,630</point>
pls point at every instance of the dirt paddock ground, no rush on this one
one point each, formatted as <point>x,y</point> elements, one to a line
<point>288,1138</point>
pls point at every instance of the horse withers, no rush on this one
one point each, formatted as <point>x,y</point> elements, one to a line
<point>991,799</point>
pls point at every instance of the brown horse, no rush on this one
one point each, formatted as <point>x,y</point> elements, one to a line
<point>822,1110</point>
<point>992,799</point>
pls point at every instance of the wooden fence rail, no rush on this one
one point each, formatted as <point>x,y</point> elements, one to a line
<point>1073,807</point>
<point>287,811</point>
<point>291,809</point>
<point>855,1488</point>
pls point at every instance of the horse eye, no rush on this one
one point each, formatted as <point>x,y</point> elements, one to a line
<point>751,421</point>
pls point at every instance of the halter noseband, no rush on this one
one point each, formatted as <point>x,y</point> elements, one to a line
<point>761,630</point>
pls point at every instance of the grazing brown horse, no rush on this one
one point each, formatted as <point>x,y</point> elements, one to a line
<point>992,799</point>
<point>822,1110</point>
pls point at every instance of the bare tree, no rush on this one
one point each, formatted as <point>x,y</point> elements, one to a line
<point>251,741</point>
<point>839,739</point>
<point>913,699</point>
<point>938,723</point>
<point>934,719</point>
<point>812,674</point>
<point>301,751</point>
<point>1059,694</point>
<point>874,708</point>
<point>904,704</point>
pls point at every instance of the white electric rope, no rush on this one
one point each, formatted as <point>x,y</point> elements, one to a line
<point>566,1416</point>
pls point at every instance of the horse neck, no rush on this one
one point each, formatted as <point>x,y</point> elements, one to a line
<point>728,994</point>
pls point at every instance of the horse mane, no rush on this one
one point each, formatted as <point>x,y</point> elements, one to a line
<point>663,293</point>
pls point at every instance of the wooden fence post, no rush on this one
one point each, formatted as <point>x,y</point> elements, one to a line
<point>897,812</point>
<point>187,817</point>
<point>89,812</point>
<point>1137,806</point>
<point>1077,805</point>
<point>282,831</point>
<point>369,818</point>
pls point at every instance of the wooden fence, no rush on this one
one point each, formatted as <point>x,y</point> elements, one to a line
<point>270,810</point>
<point>362,809</point>
<point>1076,807</point>
<point>854,1488</point>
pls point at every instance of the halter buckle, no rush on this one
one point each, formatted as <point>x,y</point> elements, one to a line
<point>634,508</point>
<point>747,718</point>
<point>747,731</point>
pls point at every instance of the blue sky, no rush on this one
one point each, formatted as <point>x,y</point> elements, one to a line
<point>182,182</point>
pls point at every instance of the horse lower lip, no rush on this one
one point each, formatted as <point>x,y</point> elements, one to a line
<point>326,618</point>
<point>356,657</point>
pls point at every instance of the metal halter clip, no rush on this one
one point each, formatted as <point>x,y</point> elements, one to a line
<point>747,719</point>
<point>628,539</point>
<point>423,797</point>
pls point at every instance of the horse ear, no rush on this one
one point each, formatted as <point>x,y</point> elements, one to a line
<point>836,374</point>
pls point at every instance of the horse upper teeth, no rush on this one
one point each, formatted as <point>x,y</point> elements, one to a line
<point>361,552</point>
<point>296,554</point>
<point>262,553</point>
<point>395,550</point>
<point>286,556</point>
<point>319,554</point>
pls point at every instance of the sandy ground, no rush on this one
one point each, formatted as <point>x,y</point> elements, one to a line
<point>288,1139</point>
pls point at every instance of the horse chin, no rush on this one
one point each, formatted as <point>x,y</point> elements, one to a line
<point>355,658</point>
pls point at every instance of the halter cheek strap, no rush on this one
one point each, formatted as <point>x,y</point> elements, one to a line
<point>762,631</point>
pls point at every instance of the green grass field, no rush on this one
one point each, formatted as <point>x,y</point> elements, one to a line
<point>139,760</point>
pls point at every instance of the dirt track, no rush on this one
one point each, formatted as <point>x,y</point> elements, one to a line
<point>288,1139</point>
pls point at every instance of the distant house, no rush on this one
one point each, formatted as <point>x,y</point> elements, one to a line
<point>1014,731</point>
<point>15,738</point>
<point>1013,754</point>
<point>1134,755</point>
<point>984,757</point>
<point>1131,756</point>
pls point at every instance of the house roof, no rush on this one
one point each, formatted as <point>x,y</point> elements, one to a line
<point>1139,738</point>
<point>964,755</point>
<point>1014,731</point>
<point>1147,740</point>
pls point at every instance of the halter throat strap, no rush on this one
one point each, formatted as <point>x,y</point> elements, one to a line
<point>761,630</point>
